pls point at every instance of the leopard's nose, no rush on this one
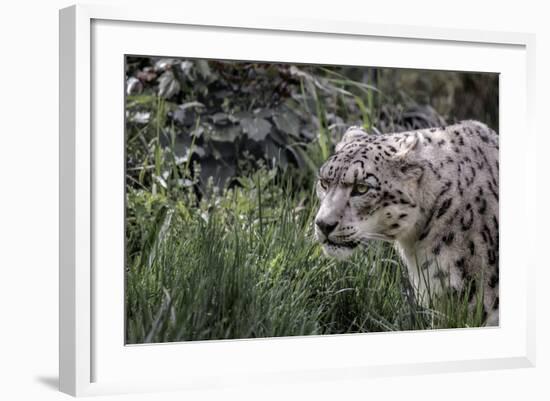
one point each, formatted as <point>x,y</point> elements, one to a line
<point>325,227</point>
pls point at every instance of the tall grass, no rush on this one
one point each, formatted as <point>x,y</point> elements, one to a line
<point>245,265</point>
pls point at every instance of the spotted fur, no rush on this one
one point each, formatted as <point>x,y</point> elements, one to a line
<point>432,192</point>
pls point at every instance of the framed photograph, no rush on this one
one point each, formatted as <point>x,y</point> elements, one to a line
<point>263,200</point>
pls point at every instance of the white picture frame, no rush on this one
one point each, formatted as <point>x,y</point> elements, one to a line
<point>93,357</point>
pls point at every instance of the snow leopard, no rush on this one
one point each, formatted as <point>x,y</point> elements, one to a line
<point>433,193</point>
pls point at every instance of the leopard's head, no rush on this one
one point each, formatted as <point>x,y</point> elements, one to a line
<point>367,191</point>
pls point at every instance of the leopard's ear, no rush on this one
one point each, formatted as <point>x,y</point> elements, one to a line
<point>406,146</point>
<point>408,166</point>
<point>351,134</point>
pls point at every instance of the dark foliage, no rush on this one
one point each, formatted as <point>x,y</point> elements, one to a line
<point>227,115</point>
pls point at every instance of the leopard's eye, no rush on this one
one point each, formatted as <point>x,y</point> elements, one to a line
<point>359,189</point>
<point>323,184</point>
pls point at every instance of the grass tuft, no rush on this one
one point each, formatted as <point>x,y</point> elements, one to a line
<point>244,264</point>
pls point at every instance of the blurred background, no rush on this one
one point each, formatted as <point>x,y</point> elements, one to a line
<point>235,112</point>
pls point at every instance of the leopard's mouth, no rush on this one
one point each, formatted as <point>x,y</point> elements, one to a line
<point>348,245</point>
<point>338,250</point>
